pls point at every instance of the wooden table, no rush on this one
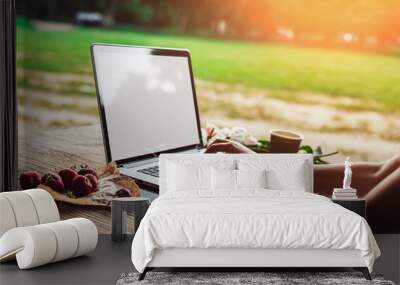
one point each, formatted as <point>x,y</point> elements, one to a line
<point>47,150</point>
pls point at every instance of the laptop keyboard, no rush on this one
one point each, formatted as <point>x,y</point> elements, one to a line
<point>152,171</point>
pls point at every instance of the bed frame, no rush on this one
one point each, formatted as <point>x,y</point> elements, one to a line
<point>246,258</point>
<point>242,259</point>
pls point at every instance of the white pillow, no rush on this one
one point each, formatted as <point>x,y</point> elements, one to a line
<point>287,174</point>
<point>186,175</point>
<point>223,179</point>
<point>185,178</point>
<point>236,179</point>
<point>251,178</point>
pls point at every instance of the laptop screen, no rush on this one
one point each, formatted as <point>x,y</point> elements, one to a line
<point>147,99</point>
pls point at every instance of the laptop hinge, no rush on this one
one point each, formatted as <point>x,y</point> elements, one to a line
<point>139,162</point>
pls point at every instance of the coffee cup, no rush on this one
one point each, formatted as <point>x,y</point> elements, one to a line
<point>283,141</point>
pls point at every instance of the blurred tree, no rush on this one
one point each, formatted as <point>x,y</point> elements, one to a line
<point>110,12</point>
<point>134,12</point>
<point>143,12</point>
<point>297,20</point>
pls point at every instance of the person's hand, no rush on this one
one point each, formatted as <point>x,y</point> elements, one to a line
<point>227,146</point>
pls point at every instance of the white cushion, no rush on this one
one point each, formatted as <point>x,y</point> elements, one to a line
<point>26,208</point>
<point>87,235</point>
<point>23,208</point>
<point>7,218</point>
<point>45,206</point>
<point>32,246</point>
<point>251,178</point>
<point>282,174</point>
<point>187,177</point>
<point>67,239</point>
<point>193,175</point>
<point>223,179</point>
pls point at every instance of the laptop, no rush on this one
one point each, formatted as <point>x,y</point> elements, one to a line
<point>147,104</point>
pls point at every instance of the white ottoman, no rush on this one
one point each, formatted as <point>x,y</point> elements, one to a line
<point>31,232</point>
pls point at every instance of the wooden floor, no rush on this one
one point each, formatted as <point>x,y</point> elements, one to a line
<point>53,149</point>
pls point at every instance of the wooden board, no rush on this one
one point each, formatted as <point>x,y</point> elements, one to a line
<point>46,150</point>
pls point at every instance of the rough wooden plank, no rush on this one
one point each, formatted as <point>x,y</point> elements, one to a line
<point>44,150</point>
<point>50,149</point>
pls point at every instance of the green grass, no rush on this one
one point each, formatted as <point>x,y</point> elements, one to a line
<point>278,67</point>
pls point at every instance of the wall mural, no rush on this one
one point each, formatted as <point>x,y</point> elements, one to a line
<point>267,80</point>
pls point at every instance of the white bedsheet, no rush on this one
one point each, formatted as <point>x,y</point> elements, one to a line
<point>250,219</point>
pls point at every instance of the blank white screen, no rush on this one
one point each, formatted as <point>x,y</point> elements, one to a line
<point>148,101</point>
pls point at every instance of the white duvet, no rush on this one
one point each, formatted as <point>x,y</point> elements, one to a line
<point>250,219</point>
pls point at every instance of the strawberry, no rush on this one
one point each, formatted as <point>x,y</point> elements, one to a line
<point>123,193</point>
<point>81,186</point>
<point>87,170</point>
<point>29,179</point>
<point>54,181</point>
<point>93,181</point>
<point>67,176</point>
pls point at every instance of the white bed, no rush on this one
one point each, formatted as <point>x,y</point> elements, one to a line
<point>201,219</point>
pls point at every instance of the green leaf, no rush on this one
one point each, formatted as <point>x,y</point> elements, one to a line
<point>306,149</point>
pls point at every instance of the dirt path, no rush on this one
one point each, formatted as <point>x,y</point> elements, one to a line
<point>300,110</point>
<point>328,122</point>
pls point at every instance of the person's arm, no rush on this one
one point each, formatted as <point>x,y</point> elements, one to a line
<point>364,178</point>
<point>227,146</point>
<point>387,167</point>
<point>383,204</point>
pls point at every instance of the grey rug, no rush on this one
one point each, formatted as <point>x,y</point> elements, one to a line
<point>228,278</point>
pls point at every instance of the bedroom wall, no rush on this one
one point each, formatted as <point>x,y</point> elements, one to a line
<point>331,104</point>
<point>389,262</point>
<point>57,102</point>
